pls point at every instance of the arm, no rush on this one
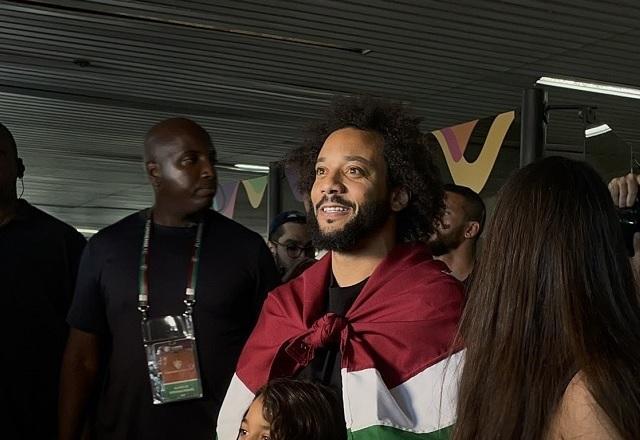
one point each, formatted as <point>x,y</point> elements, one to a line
<point>624,192</point>
<point>580,417</point>
<point>80,367</point>
<point>84,353</point>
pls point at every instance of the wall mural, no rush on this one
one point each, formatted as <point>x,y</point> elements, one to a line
<point>454,141</point>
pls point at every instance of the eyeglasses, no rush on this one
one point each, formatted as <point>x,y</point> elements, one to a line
<point>294,251</point>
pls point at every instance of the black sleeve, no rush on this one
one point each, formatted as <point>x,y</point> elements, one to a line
<point>68,246</point>
<point>74,244</point>
<point>87,311</point>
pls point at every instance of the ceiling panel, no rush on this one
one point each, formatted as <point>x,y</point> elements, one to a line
<point>82,81</point>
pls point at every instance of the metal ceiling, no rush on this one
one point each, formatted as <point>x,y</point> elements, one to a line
<point>82,81</point>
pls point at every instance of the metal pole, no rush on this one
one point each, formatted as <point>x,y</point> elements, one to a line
<point>274,198</point>
<point>533,125</point>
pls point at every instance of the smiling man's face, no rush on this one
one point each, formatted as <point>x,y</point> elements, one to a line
<point>350,195</point>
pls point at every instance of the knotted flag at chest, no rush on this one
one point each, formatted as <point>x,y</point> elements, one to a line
<point>399,378</point>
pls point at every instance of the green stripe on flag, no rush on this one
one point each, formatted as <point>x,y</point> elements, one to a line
<point>389,433</point>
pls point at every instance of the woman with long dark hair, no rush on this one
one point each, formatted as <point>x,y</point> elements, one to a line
<point>552,321</point>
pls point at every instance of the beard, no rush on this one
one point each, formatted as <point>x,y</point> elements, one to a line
<point>371,217</point>
<point>444,243</point>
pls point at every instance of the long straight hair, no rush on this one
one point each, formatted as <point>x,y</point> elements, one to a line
<point>553,294</point>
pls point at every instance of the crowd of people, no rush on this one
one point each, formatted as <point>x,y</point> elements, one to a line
<point>177,322</point>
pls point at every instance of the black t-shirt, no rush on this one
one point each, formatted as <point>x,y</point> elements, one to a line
<point>325,366</point>
<point>236,271</point>
<point>39,258</point>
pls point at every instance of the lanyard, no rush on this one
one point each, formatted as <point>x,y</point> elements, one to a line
<point>143,274</point>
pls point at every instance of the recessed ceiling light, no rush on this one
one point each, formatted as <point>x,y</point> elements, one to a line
<point>594,87</point>
<point>597,130</point>
<point>86,231</point>
<point>249,167</point>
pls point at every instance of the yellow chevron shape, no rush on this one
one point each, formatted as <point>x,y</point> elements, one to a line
<point>475,174</point>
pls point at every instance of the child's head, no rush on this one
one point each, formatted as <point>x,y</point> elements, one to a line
<point>288,409</point>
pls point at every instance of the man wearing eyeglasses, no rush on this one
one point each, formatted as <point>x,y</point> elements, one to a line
<point>290,244</point>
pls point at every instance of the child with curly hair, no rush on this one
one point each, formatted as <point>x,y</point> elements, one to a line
<point>288,409</point>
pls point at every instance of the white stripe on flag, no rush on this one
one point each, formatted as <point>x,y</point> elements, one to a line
<point>236,402</point>
<point>424,403</point>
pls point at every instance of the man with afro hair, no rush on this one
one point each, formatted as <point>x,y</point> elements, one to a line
<point>376,317</point>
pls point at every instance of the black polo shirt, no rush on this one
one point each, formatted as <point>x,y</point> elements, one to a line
<point>236,271</point>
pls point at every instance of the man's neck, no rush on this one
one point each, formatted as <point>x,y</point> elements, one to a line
<point>168,217</point>
<point>8,211</point>
<point>350,268</point>
<point>460,261</point>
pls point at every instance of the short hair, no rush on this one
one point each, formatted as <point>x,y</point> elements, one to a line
<point>297,409</point>
<point>276,230</point>
<point>474,208</point>
<point>408,158</point>
<point>6,134</point>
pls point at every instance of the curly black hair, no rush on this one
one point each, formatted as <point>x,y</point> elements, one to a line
<point>409,160</point>
<point>297,409</point>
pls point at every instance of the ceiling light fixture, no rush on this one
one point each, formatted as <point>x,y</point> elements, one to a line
<point>249,167</point>
<point>86,231</point>
<point>597,130</point>
<point>593,87</point>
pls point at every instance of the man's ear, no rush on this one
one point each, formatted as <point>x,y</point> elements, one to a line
<point>153,172</point>
<point>400,198</point>
<point>472,229</point>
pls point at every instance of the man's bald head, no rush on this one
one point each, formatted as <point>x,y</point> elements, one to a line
<point>166,132</point>
<point>8,167</point>
<point>179,160</point>
<point>7,139</point>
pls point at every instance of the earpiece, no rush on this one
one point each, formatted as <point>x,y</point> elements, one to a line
<point>20,168</point>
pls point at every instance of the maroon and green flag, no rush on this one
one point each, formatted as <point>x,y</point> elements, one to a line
<point>398,378</point>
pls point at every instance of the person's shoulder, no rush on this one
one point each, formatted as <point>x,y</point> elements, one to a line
<point>432,279</point>
<point>50,224</point>
<point>430,271</point>
<point>579,415</point>
<point>231,229</point>
<point>121,230</point>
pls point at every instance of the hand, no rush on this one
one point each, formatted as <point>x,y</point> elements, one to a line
<point>624,190</point>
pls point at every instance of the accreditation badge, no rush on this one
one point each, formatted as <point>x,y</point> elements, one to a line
<point>172,358</point>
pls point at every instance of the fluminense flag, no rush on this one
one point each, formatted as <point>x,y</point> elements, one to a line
<point>398,380</point>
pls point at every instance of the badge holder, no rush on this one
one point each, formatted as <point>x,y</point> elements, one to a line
<point>169,341</point>
<point>170,346</point>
